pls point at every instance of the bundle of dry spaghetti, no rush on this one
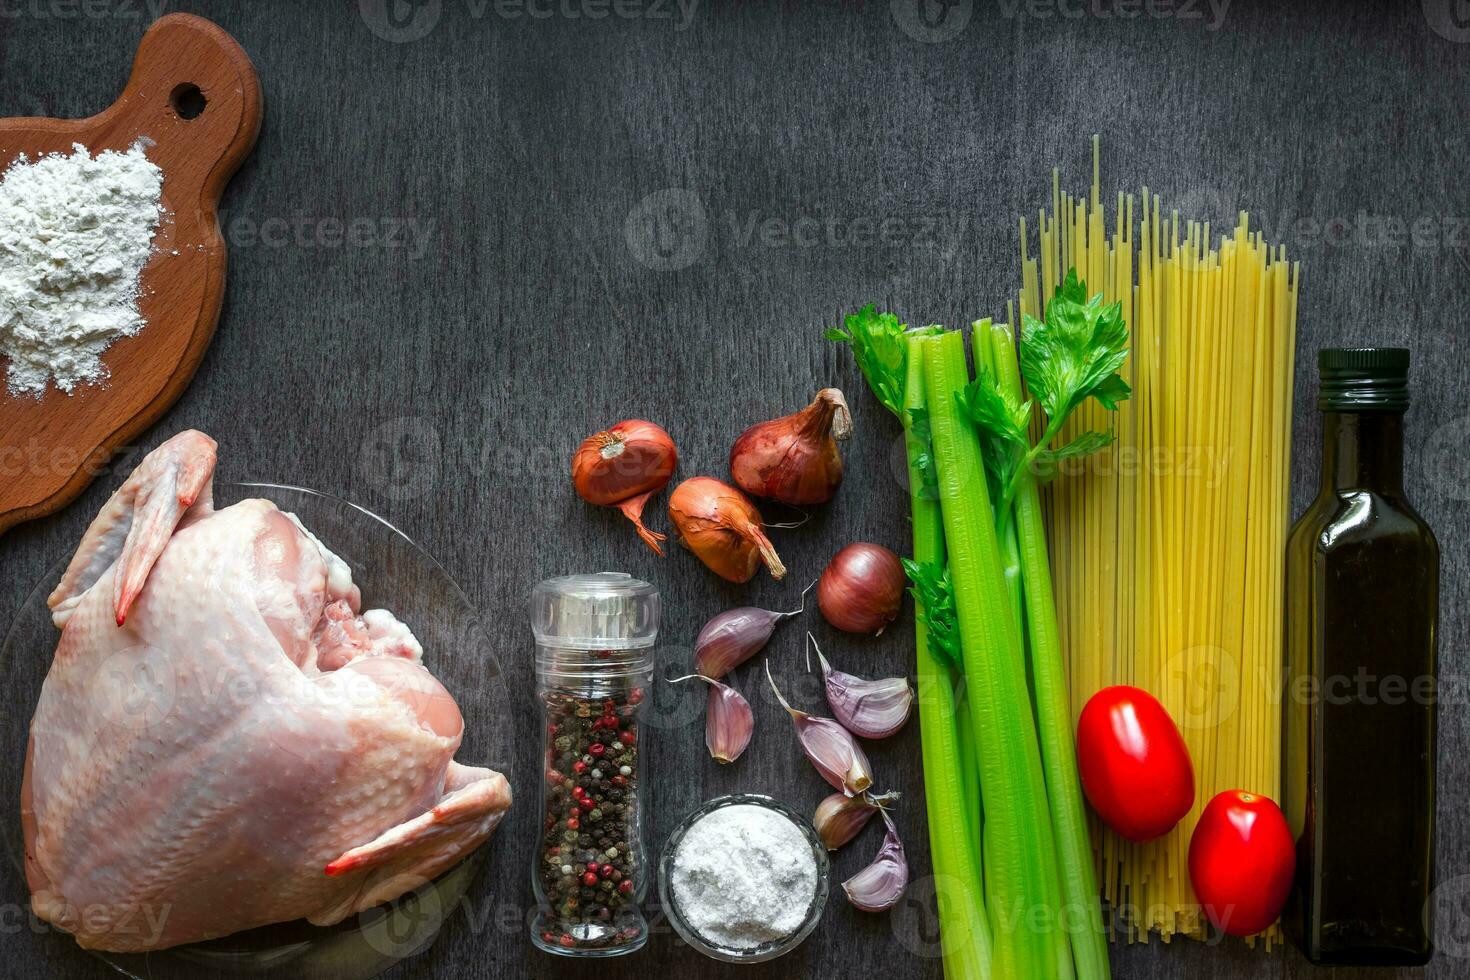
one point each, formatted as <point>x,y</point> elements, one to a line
<point>1168,546</point>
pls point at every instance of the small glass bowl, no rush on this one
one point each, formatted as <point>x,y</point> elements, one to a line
<point>765,951</point>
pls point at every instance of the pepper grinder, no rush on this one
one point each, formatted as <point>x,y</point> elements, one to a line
<point>594,664</point>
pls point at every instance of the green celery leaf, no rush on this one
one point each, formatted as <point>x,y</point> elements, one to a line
<point>993,413</point>
<point>1111,391</point>
<point>1076,353</point>
<point>1048,461</point>
<point>878,345</point>
<point>1002,425</point>
<point>933,592</point>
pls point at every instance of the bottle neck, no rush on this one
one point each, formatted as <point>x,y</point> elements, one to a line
<point>1363,451</point>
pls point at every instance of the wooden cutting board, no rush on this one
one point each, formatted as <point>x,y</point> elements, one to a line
<point>194,99</point>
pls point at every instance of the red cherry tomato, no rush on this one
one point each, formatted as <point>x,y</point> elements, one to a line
<point>1241,861</point>
<point>1134,765</point>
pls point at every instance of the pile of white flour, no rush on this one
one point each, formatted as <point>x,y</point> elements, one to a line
<point>75,232</point>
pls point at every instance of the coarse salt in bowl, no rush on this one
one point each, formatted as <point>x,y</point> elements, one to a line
<point>763,844</point>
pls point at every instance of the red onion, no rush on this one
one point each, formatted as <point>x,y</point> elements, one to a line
<point>861,589</point>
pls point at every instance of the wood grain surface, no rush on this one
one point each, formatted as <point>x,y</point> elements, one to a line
<point>471,234</point>
<point>181,288</point>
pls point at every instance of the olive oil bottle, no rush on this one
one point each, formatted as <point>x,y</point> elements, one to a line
<point>1362,581</point>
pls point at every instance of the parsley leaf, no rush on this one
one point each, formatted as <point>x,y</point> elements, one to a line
<point>1076,353</point>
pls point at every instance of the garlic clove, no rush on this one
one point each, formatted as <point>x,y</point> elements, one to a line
<point>728,719</point>
<point>836,755</point>
<point>735,635</point>
<point>840,818</point>
<point>731,638</point>
<point>867,708</point>
<point>729,723</point>
<point>879,886</point>
<point>829,747</point>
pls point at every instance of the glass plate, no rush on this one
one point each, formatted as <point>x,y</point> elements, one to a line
<point>393,572</point>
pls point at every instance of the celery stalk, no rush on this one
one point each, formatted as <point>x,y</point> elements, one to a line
<point>1053,707</point>
<point>953,818</point>
<point>1009,550</point>
<point>1021,921</point>
<point>892,362</point>
<point>988,361</point>
<point>970,770</point>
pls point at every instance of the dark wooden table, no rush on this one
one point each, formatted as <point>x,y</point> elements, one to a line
<point>470,235</point>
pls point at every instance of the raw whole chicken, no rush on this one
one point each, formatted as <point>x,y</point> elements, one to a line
<point>224,740</point>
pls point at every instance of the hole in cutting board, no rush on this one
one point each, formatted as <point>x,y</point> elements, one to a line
<point>187,100</point>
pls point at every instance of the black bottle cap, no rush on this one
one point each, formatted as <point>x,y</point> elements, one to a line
<point>1363,379</point>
